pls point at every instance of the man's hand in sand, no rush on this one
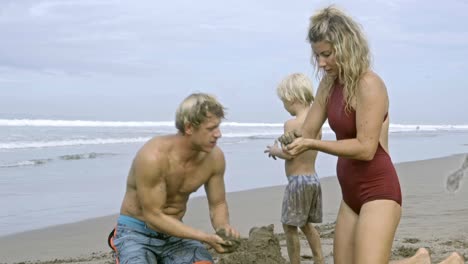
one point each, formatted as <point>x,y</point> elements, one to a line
<point>230,236</point>
<point>218,244</point>
<point>229,231</point>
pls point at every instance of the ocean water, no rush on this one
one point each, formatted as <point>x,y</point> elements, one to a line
<point>61,171</point>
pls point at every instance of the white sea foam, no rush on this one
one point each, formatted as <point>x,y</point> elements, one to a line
<point>118,131</point>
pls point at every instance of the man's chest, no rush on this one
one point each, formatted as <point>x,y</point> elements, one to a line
<point>186,180</point>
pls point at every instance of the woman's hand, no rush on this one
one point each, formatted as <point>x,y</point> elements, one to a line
<point>296,147</point>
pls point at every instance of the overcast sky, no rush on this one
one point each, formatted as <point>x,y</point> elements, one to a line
<point>136,60</point>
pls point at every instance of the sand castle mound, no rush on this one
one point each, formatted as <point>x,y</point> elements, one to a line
<point>262,247</point>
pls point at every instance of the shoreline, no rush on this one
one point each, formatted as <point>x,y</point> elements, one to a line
<point>430,214</point>
<point>197,195</point>
<point>324,178</point>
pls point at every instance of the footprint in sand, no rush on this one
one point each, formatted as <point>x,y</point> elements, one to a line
<point>454,179</point>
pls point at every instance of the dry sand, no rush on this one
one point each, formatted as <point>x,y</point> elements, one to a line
<point>432,217</point>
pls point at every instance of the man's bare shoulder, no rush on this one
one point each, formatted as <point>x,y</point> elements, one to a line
<point>216,157</point>
<point>214,162</point>
<point>160,143</point>
<point>217,152</point>
<point>154,153</point>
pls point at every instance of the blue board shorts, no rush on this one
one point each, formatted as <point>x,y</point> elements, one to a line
<point>133,242</point>
<point>302,201</point>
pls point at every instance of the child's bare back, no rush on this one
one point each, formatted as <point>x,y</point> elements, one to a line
<point>303,164</point>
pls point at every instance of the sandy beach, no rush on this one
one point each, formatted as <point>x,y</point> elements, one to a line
<point>432,217</point>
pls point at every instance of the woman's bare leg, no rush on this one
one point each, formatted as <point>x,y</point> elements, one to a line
<point>344,241</point>
<point>345,248</point>
<point>375,231</point>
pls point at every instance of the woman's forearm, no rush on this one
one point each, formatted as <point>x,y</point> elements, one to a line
<point>348,148</point>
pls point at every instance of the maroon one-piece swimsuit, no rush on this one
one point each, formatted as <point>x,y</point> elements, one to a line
<point>361,181</point>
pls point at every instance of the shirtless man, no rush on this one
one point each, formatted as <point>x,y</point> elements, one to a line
<point>165,171</point>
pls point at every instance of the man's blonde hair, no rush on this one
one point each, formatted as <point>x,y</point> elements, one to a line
<point>195,108</point>
<point>296,87</point>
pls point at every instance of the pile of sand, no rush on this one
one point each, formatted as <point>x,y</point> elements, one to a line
<point>262,247</point>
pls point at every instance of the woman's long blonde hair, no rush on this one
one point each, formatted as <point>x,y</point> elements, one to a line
<point>349,45</point>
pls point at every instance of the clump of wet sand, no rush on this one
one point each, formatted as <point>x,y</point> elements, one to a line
<point>234,242</point>
<point>262,247</point>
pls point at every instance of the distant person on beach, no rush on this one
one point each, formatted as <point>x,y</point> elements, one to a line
<point>302,202</point>
<point>165,171</point>
<point>355,101</point>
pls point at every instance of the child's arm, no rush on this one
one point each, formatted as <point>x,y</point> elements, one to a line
<point>274,151</point>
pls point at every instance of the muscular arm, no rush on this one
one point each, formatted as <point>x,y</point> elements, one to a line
<point>151,192</point>
<point>371,106</point>
<point>216,194</point>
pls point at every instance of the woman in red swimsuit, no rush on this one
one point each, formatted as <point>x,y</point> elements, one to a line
<point>355,101</point>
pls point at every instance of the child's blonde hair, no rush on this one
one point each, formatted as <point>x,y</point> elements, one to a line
<point>296,87</point>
